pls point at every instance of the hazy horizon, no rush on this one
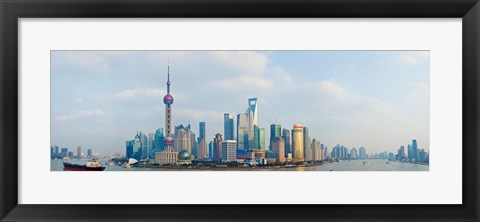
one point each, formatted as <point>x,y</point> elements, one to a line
<point>375,99</point>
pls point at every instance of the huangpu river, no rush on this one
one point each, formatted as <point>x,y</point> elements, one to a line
<point>353,165</point>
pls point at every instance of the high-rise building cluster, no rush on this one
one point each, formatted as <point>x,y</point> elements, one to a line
<point>58,153</point>
<point>243,141</point>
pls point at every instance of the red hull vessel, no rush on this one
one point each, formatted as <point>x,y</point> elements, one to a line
<point>78,167</point>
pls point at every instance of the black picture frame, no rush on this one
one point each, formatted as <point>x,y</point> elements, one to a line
<point>12,10</point>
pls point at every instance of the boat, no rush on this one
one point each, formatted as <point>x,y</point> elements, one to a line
<point>92,165</point>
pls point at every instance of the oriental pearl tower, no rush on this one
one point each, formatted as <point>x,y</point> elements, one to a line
<point>168,101</point>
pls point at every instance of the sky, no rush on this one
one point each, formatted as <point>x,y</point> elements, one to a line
<point>375,99</point>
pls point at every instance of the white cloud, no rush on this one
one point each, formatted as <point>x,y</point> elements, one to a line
<point>136,93</point>
<point>82,114</point>
<point>414,57</point>
<point>78,100</point>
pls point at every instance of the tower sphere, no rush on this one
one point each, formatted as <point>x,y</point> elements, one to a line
<point>168,99</point>
<point>184,155</point>
<point>168,140</point>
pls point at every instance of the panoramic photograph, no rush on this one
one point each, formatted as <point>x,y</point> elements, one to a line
<point>240,111</point>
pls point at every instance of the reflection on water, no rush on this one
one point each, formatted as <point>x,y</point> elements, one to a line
<point>354,165</point>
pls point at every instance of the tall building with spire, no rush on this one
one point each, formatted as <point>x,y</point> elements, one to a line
<point>168,156</point>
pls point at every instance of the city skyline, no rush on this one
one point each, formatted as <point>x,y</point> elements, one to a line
<point>335,95</point>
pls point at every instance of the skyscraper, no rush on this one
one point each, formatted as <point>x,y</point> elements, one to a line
<point>307,145</point>
<point>158,140</point>
<point>286,138</point>
<point>259,137</point>
<point>229,153</point>
<point>242,131</point>
<point>151,137</point>
<point>401,153</point>
<point>79,152</point>
<point>89,153</point>
<point>202,141</point>
<point>316,153</point>
<point>275,130</point>
<point>353,153</point>
<point>362,153</point>
<point>182,139</point>
<point>297,143</point>
<point>228,126</point>
<point>415,150</point>
<point>278,146</point>
<point>144,145</point>
<point>217,147</point>
<point>252,119</point>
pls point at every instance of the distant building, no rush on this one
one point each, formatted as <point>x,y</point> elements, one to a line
<point>168,156</point>
<point>353,153</point>
<point>322,151</point>
<point>278,146</point>
<point>202,142</point>
<point>182,138</point>
<point>242,131</point>
<point>288,144</point>
<point>64,152</point>
<point>151,137</point>
<point>259,138</point>
<point>217,147</point>
<point>158,140</point>
<point>401,153</point>
<point>79,152</point>
<point>307,145</point>
<point>89,153</point>
<point>415,150</point>
<point>275,130</point>
<point>229,148</point>
<point>210,150</point>
<point>316,152</point>
<point>362,153</point>
<point>228,126</point>
<point>297,143</point>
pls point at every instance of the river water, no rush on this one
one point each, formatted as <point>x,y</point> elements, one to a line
<point>354,165</point>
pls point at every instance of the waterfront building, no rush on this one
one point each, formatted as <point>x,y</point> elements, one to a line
<point>345,153</point>
<point>259,137</point>
<point>89,153</point>
<point>415,149</point>
<point>288,144</point>
<point>391,156</point>
<point>144,145</point>
<point>217,147</point>
<point>353,153</point>
<point>325,153</point>
<point>401,153</point>
<point>64,152</point>
<point>323,156</point>
<point>182,138</point>
<point>70,154</point>
<point>52,155</point>
<point>202,149</point>
<point>151,137</point>
<point>422,155</point>
<point>167,156</point>
<point>297,143</point>
<point>229,153</point>
<point>275,130</point>
<point>158,140</point>
<point>242,131</point>
<point>410,152</point>
<point>210,150</point>
<point>228,126</point>
<point>79,152</point>
<point>307,145</point>
<point>316,154</point>
<point>184,157</point>
<point>56,152</point>
<point>202,130</point>
<point>362,153</point>
<point>278,146</point>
